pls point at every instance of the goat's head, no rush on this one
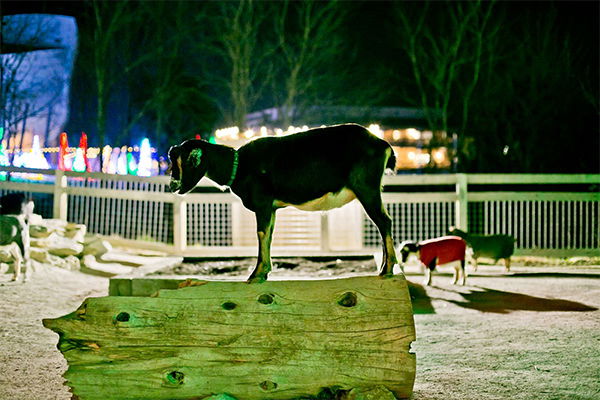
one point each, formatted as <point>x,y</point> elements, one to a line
<point>188,165</point>
<point>406,248</point>
<point>456,232</point>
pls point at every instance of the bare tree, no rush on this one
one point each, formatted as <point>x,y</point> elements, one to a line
<point>276,53</point>
<point>115,51</point>
<point>167,94</point>
<point>446,52</point>
<point>33,74</point>
<point>531,89</point>
<point>245,55</point>
<point>108,17</point>
<point>309,39</point>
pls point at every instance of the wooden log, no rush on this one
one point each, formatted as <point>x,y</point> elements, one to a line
<point>274,340</point>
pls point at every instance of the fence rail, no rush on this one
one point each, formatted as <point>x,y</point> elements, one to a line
<point>549,214</point>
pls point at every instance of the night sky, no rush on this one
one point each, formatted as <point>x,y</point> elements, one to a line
<point>559,129</point>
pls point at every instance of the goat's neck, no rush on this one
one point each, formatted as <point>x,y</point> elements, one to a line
<point>221,163</point>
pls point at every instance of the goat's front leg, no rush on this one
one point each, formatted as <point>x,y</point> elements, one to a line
<point>265,222</point>
<point>428,271</point>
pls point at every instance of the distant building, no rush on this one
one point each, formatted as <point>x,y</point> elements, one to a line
<point>417,148</point>
<point>328,115</point>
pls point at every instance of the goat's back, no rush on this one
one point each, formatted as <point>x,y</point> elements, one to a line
<point>338,144</point>
<point>493,246</point>
<point>11,228</point>
<point>316,161</point>
<point>445,249</point>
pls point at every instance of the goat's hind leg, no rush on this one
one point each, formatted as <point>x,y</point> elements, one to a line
<point>265,222</point>
<point>475,264</point>
<point>15,251</point>
<point>376,211</point>
<point>459,271</point>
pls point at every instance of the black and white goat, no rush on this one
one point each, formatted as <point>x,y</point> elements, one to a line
<point>438,251</point>
<point>15,211</point>
<point>315,170</point>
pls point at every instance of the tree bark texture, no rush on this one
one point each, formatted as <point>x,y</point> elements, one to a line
<point>274,340</point>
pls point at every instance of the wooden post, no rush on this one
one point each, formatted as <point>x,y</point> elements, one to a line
<point>179,224</point>
<point>237,231</point>
<point>59,208</point>
<point>461,205</point>
<point>325,242</point>
<point>274,340</point>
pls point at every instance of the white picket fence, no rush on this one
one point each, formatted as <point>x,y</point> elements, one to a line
<point>560,218</point>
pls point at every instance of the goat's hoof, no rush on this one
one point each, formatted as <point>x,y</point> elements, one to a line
<point>256,279</point>
<point>385,274</point>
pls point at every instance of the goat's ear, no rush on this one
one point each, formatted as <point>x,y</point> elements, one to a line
<point>174,152</point>
<point>174,170</point>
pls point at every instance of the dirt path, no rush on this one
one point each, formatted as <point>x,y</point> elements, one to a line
<point>534,335</point>
<point>31,366</point>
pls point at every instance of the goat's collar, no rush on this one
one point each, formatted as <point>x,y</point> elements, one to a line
<point>234,168</point>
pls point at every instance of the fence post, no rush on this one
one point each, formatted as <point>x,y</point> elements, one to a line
<point>59,208</point>
<point>325,242</point>
<point>461,205</point>
<point>179,224</point>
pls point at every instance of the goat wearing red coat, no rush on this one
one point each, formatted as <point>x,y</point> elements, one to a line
<point>438,251</point>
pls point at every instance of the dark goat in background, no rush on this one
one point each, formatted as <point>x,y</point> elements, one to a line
<point>315,170</point>
<point>491,246</point>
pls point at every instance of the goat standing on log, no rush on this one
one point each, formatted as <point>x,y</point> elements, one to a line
<point>438,251</point>
<point>492,246</point>
<point>315,170</point>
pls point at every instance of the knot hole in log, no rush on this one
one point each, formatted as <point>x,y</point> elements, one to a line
<point>175,378</point>
<point>266,298</point>
<point>122,317</point>
<point>348,299</point>
<point>81,311</point>
<point>229,305</point>
<point>268,385</point>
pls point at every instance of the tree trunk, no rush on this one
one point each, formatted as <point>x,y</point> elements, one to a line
<point>275,340</point>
